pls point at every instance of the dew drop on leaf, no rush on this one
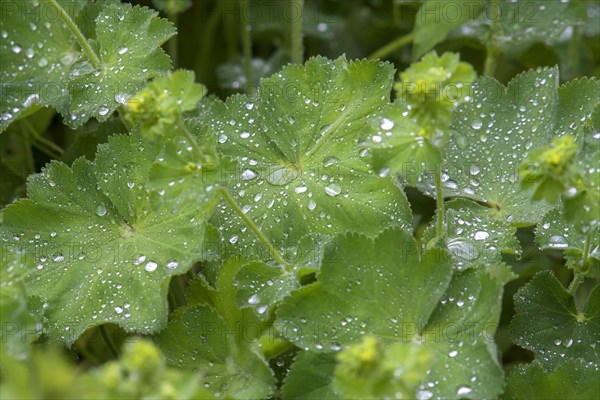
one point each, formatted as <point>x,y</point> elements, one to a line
<point>101,210</point>
<point>150,266</point>
<point>333,189</point>
<point>463,390</point>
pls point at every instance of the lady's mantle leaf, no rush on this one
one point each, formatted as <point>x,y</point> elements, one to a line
<point>222,339</point>
<point>42,62</point>
<point>294,164</point>
<point>492,134</point>
<point>384,288</point>
<point>103,253</point>
<point>304,381</point>
<point>571,380</point>
<point>548,323</point>
<point>474,236</point>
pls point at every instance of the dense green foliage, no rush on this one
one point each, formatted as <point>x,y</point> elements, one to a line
<point>361,199</point>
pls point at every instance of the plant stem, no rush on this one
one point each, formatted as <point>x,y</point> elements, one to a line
<point>297,44</point>
<point>177,291</point>
<point>393,46</point>
<point>246,42</point>
<point>207,43</point>
<point>577,279</point>
<point>89,356</point>
<point>491,59</point>
<point>94,59</point>
<point>188,135</point>
<point>440,204</point>
<point>173,42</point>
<point>574,53</point>
<point>42,139</point>
<point>109,342</point>
<point>227,196</point>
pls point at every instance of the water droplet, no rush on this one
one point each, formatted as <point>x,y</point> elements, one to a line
<point>233,239</point>
<point>424,394</point>
<point>172,264</point>
<point>254,299</point>
<point>333,189</point>
<point>245,135</point>
<point>150,266</point>
<point>477,124</point>
<point>118,310</point>
<point>386,124</point>
<point>453,353</point>
<point>123,50</point>
<point>312,205</point>
<point>300,189</point>
<point>330,161</point>
<point>282,176</point>
<point>58,257</point>
<point>103,110</point>
<point>101,210</point>
<point>463,390</point>
<point>248,174</point>
<point>481,235</point>
<point>223,139</point>
<point>558,242</point>
<point>17,49</point>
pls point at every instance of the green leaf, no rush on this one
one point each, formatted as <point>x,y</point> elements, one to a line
<point>179,176</point>
<point>373,288</point>
<point>399,145</point>
<point>492,134</point>
<point>293,163</point>
<point>261,286</point>
<point>436,18</point>
<point>219,341</point>
<point>461,335</point>
<point>43,64</point>
<point>127,60</point>
<point>548,322</point>
<point>357,274</point>
<point>104,252</point>
<point>474,236</point>
<point>571,380</point>
<point>20,327</point>
<point>304,381</point>
<point>513,26</point>
<point>580,247</point>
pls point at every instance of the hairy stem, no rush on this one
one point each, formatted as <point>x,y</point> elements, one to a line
<point>297,39</point>
<point>491,59</point>
<point>577,279</point>
<point>188,135</point>
<point>108,340</point>
<point>440,204</point>
<point>89,51</point>
<point>246,42</point>
<point>393,46</point>
<point>227,196</point>
<point>173,42</point>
